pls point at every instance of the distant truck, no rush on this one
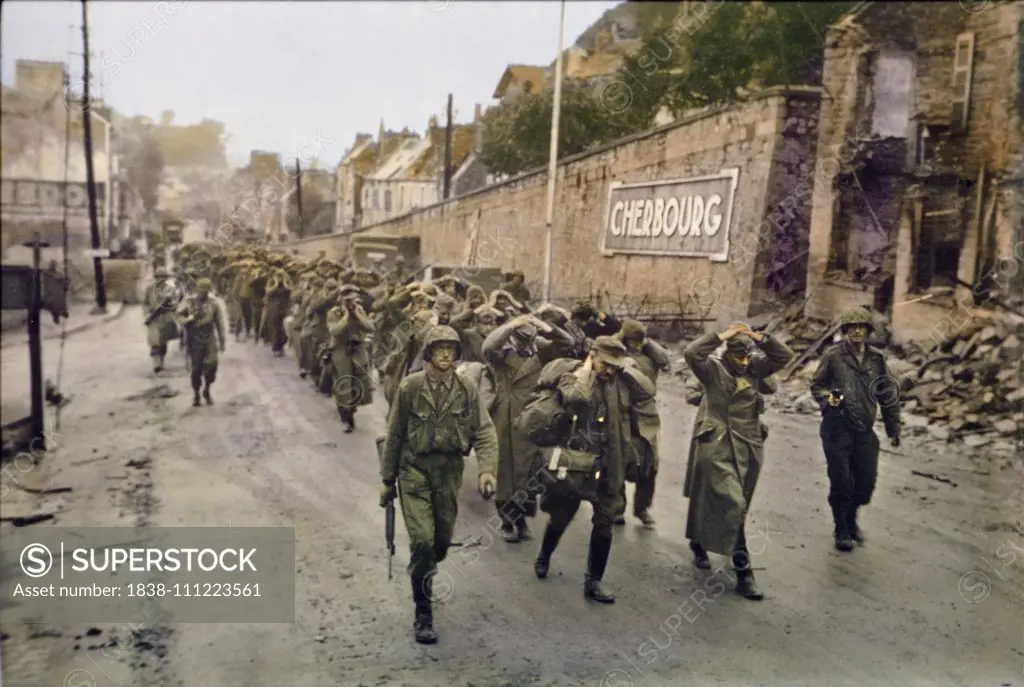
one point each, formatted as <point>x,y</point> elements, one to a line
<point>379,253</point>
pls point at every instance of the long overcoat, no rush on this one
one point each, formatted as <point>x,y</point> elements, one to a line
<point>727,446</point>
<point>515,379</point>
<point>350,358</point>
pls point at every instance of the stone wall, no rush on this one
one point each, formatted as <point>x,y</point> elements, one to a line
<point>770,139</point>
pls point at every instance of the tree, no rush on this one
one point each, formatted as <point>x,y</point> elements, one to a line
<point>517,135</point>
<point>144,169</point>
<point>715,53</point>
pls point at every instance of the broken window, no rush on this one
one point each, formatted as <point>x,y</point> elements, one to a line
<point>963,66</point>
<point>937,255</point>
<point>891,94</point>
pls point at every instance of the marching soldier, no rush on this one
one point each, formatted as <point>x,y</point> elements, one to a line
<point>516,286</point>
<point>593,322</point>
<point>202,318</point>
<point>276,309</point>
<point>851,379</point>
<point>515,354</point>
<point>349,325</point>
<point>161,299</point>
<point>561,318</point>
<point>314,333</point>
<point>727,448</point>
<point>258,287</point>
<point>436,419</point>
<point>650,358</point>
<point>244,294</point>
<point>601,394</point>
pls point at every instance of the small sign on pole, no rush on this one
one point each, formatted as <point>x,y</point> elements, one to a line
<point>94,253</point>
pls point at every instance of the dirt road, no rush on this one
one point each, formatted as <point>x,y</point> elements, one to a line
<point>933,598</point>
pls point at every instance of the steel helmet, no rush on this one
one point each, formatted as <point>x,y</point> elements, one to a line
<point>857,316</point>
<point>442,334</point>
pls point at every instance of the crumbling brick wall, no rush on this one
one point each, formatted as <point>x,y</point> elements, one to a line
<point>928,33</point>
<point>781,267</point>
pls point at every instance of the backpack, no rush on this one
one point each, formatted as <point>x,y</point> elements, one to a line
<point>545,420</point>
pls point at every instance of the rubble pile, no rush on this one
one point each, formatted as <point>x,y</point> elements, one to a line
<point>971,383</point>
<point>969,387</point>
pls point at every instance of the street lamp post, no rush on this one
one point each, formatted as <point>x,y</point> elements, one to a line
<point>553,159</point>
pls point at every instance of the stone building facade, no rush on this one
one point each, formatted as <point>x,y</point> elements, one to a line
<point>769,142</point>
<point>919,163</point>
<point>40,129</point>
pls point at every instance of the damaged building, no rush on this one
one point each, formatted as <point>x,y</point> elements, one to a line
<point>917,206</point>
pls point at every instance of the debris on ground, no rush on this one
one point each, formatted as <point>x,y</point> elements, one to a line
<point>161,391</point>
<point>968,387</point>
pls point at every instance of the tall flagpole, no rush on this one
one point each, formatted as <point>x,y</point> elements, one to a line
<point>553,159</point>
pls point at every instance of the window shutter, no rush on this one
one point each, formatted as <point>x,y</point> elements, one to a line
<point>963,67</point>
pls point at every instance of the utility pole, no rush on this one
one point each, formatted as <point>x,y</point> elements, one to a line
<point>298,196</point>
<point>94,225</point>
<point>35,345</point>
<point>448,152</point>
<point>553,160</point>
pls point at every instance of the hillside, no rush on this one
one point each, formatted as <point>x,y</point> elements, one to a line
<point>625,15</point>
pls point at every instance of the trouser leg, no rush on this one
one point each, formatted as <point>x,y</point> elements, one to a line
<point>643,496</point>
<point>838,444</point>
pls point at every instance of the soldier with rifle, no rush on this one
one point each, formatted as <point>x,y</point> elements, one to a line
<point>160,301</point>
<point>437,417</point>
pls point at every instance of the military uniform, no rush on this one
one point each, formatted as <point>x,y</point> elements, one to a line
<point>651,359</point>
<point>203,320</point>
<point>727,447</point>
<point>350,358</point>
<point>516,287</point>
<point>434,421</point>
<point>516,356</point>
<point>847,429</point>
<point>275,309</point>
<point>591,465</point>
<point>160,300</point>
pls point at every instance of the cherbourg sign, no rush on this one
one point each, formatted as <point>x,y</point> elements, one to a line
<point>680,217</point>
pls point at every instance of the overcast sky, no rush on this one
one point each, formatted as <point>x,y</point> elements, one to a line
<point>281,74</point>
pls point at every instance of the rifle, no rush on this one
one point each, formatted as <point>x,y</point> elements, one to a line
<point>389,516</point>
<point>169,302</point>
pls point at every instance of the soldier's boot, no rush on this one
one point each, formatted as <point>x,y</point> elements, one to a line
<point>746,585</point>
<point>508,529</point>
<point>206,395</point>
<point>620,519</point>
<point>423,626</point>
<point>855,531</point>
<point>646,518</point>
<point>843,538</point>
<point>158,363</point>
<point>522,529</point>
<point>597,561</point>
<point>547,547</point>
<point>195,398</point>
<point>700,556</point>
<point>346,419</point>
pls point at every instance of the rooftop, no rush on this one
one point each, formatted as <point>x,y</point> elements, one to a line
<point>521,73</point>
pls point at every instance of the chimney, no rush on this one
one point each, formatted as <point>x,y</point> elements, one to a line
<point>477,113</point>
